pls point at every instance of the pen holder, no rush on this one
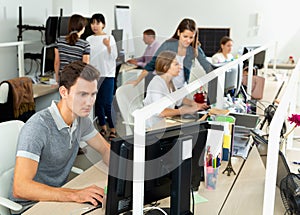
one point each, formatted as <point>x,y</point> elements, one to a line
<point>211,177</point>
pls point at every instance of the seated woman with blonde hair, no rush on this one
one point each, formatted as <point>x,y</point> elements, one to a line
<point>167,67</point>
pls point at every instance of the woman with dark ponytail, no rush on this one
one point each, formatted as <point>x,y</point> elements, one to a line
<point>71,48</point>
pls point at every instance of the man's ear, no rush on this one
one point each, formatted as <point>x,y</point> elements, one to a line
<point>178,33</point>
<point>63,91</point>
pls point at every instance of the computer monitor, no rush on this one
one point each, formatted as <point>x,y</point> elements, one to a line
<point>51,29</point>
<point>210,39</point>
<point>118,35</point>
<point>162,162</point>
<point>232,83</point>
<point>259,58</point>
<point>63,26</point>
<point>88,30</point>
<point>55,27</point>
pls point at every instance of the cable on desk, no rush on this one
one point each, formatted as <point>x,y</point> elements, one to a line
<point>193,201</point>
<point>155,208</point>
<point>89,211</point>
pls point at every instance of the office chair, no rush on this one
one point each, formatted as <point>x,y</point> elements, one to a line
<point>129,98</point>
<point>197,72</point>
<point>9,132</point>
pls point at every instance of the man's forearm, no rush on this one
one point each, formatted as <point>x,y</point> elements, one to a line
<point>40,192</point>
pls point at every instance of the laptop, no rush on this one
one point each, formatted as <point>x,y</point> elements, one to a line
<point>247,120</point>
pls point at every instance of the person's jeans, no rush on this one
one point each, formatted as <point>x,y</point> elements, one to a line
<point>103,106</point>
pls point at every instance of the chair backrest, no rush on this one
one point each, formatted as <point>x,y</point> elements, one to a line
<point>9,132</point>
<point>129,98</point>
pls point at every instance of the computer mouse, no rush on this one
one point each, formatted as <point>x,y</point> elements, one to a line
<point>99,204</point>
<point>189,116</point>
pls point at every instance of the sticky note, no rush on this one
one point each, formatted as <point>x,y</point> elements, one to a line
<point>226,141</point>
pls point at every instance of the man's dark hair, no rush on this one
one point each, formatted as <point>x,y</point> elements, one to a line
<point>149,32</point>
<point>71,72</point>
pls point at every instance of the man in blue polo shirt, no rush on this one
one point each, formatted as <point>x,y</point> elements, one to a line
<point>49,142</point>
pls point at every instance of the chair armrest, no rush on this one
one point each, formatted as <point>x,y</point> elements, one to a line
<point>10,204</point>
<point>4,89</point>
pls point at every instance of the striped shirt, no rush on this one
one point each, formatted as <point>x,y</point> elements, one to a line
<point>70,53</point>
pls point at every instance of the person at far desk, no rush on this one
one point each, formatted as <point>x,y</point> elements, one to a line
<point>152,46</point>
<point>185,44</point>
<point>103,57</point>
<point>224,53</point>
<point>167,68</point>
<point>49,142</point>
<point>71,48</point>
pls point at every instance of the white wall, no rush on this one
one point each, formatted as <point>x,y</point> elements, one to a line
<point>89,7</point>
<point>34,13</point>
<point>278,20</point>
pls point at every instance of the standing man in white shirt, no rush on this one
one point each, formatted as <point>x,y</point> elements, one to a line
<point>152,46</point>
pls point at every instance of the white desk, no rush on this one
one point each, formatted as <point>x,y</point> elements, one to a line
<point>293,155</point>
<point>248,192</point>
<point>91,176</point>
<point>43,89</point>
<point>43,95</point>
<point>282,66</point>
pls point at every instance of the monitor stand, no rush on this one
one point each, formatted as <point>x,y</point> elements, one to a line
<point>180,196</point>
<point>180,191</point>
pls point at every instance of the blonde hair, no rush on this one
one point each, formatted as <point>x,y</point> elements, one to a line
<point>164,61</point>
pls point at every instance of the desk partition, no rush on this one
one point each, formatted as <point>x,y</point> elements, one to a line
<point>285,108</point>
<point>141,115</point>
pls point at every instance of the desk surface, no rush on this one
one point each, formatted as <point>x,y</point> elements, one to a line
<point>127,67</point>
<point>43,89</point>
<point>93,175</point>
<point>293,155</point>
<point>248,192</point>
<point>282,66</point>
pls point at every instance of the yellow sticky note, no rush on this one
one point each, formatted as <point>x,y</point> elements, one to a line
<point>226,141</point>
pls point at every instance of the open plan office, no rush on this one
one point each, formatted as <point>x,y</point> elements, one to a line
<point>238,154</point>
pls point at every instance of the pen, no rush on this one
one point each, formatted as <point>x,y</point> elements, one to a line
<point>296,162</point>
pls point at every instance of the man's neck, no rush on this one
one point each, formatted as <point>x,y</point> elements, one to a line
<point>65,113</point>
<point>150,42</point>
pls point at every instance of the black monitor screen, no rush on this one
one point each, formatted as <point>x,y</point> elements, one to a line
<point>88,30</point>
<point>159,164</point>
<point>259,58</point>
<point>63,26</point>
<point>210,39</point>
<point>232,83</point>
<point>118,35</point>
<point>51,29</point>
